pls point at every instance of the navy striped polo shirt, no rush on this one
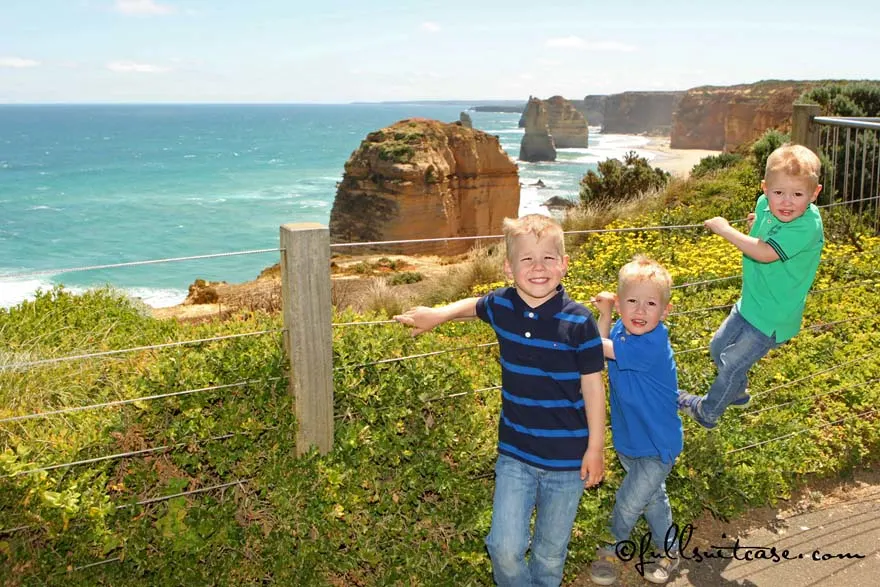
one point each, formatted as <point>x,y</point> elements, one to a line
<point>544,351</point>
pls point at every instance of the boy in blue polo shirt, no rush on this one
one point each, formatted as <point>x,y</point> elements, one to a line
<point>645,425</point>
<point>780,256</point>
<point>551,432</point>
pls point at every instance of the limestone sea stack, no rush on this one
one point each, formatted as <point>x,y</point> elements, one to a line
<point>567,125</point>
<point>537,144</point>
<point>424,179</point>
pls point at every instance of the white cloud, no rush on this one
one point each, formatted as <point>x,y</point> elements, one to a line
<point>143,8</point>
<point>17,62</point>
<point>132,67</point>
<point>573,42</point>
<point>431,27</point>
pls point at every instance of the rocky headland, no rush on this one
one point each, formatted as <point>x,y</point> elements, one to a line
<point>424,179</point>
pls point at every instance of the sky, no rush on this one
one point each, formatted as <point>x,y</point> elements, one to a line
<point>341,51</point>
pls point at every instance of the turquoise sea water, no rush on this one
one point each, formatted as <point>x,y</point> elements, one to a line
<point>85,185</point>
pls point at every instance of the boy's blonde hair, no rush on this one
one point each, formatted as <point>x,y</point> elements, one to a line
<point>536,224</point>
<point>795,161</point>
<point>643,268</point>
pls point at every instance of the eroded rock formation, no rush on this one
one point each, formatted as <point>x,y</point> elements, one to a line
<point>419,179</point>
<point>724,118</point>
<point>567,125</point>
<point>537,144</point>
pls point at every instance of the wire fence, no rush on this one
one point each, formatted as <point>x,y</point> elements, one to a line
<point>240,483</point>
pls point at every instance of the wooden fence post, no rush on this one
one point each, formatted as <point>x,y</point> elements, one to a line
<point>803,131</point>
<point>308,337</point>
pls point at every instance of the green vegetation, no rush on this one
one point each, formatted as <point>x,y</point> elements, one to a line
<point>616,181</point>
<point>405,496</point>
<point>714,163</point>
<point>405,278</point>
<point>846,99</point>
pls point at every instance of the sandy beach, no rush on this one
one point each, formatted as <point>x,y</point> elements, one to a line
<point>678,162</point>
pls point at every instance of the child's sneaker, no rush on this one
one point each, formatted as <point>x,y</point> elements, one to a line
<point>604,571</point>
<point>742,401</point>
<point>689,404</point>
<point>659,572</point>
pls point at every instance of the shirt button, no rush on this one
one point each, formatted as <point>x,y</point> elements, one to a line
<point>622,338</point>
<point>528,335</point>
<point>531,314</point>
<point>769,220</point>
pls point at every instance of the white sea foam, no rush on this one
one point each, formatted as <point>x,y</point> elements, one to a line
<point>157,298</point>
<point>14,292</point>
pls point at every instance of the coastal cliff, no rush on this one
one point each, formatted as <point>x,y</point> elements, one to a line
<point>640,112</point>
<point>593,108</point>
<point>723,118</point>
<point>419,179</point>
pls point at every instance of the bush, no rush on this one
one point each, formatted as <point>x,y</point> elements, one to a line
<point>618,181</point>
<point>769,142</point>
<point>714,163</point>
<point>405,278</point>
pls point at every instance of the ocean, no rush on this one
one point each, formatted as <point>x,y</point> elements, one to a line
<point>84,185</point>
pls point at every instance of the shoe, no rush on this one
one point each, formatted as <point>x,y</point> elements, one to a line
<point>603,570</point>
<point>659,572</point>
<point>742,401</point>
<point>689,404</point>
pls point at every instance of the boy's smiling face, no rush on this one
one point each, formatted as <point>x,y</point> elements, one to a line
<point>789,196</point>
<point>536,267</point>
<point>641,306</point>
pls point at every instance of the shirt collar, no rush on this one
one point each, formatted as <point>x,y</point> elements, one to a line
<point>548,309</point>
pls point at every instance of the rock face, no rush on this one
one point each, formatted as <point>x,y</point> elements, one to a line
<point>568,127</point>
<point>593,109</point>
<point>419,179</point>
<point>723,118</point>
<point>465,119</point>
<point>640,112</point>
<point>537,144</point>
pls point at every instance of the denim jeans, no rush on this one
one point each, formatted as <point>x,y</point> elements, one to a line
<point>521,489</point>
<point>643,491</point>
<point>735,348</point>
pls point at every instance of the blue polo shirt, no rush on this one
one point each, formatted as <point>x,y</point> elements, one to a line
<point>544,351</point>
<point>644,390</point>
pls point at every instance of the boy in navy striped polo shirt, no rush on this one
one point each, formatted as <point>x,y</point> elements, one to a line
<point>551,432</point>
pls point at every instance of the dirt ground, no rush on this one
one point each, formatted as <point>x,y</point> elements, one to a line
<point>352,277</point>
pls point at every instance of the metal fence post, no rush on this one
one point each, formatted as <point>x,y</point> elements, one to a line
<point>308,338</point>
<point>803,131</point>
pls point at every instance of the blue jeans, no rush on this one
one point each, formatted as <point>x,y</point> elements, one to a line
<point>643,491</point>
<point>520,489</point>
<point>735,348</point>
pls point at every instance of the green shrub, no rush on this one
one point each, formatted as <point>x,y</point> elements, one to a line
<point>405,278</point>
<point>770,141</point>
<point>616,181</point>
<point>714,163</point>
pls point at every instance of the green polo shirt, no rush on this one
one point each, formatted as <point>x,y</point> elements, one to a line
<point>774,294</point>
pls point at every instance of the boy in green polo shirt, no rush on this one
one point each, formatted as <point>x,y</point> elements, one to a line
<point>780,259</point>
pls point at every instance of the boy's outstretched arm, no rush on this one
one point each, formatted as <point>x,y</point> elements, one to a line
<point>593,463</point>
<point>422,319</point>
<point>750,246</point>
<point>604,301</point>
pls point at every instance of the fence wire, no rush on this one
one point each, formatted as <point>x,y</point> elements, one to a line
<point>29,364</point>
<point>124,402</point>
